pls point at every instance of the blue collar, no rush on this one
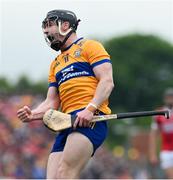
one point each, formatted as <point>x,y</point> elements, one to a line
<point>75,42</point>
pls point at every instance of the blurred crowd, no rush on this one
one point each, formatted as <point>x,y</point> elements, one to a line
<point>24,148</point>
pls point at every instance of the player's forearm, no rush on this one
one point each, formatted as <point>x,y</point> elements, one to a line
<point>38,113</point>
<point>103,91</point>
<point>153,143</point>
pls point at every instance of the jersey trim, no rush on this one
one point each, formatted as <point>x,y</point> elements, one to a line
<point>53,84</point>
<point>100,62</point>
<point>75,42</point>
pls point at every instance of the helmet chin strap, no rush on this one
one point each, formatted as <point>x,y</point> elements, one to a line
<point>63,33</point>
<point>57,45</point>
<point>67,36</point>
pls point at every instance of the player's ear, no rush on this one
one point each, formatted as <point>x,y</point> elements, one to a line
<point>65,25</point>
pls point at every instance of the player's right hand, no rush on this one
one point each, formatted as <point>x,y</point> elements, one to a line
<point>24,114</point>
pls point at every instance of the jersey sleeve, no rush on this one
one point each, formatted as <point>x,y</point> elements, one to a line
<point>95,53</point>
<point>51,78</point>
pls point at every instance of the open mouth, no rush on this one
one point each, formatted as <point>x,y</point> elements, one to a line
<point>50,39</point>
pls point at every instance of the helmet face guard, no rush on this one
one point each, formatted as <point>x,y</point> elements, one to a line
<point>54,44</point>
<point>58,17</point>
<point>50,39</point>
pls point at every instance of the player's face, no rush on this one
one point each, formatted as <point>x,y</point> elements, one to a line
<point>169,100</point>
<point>50,30</point>
<point>55,34</point>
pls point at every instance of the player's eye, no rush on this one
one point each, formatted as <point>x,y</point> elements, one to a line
<point>51,23</point>
<point>47,23</point>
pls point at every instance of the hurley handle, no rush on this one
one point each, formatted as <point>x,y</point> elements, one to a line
<point>142,114</point>
<point>130,115</point>
<point>126,115</point>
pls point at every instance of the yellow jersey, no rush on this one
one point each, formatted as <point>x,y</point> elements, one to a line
<point>72,73</point>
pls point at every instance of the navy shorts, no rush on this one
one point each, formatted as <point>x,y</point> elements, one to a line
<point>96,135</point>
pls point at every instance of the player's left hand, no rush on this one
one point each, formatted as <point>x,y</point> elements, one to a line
<point>83,119</point>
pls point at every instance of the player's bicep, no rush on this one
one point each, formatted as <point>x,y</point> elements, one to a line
<point>53,97</point>
<point>104,71</point>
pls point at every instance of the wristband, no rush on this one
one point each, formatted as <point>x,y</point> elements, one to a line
<point>91,107</point>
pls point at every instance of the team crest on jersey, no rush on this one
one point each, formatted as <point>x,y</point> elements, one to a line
<point>77,53</point>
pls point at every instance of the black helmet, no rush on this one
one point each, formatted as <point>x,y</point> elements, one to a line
<point>59,16</point>
<point>62,15</point>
